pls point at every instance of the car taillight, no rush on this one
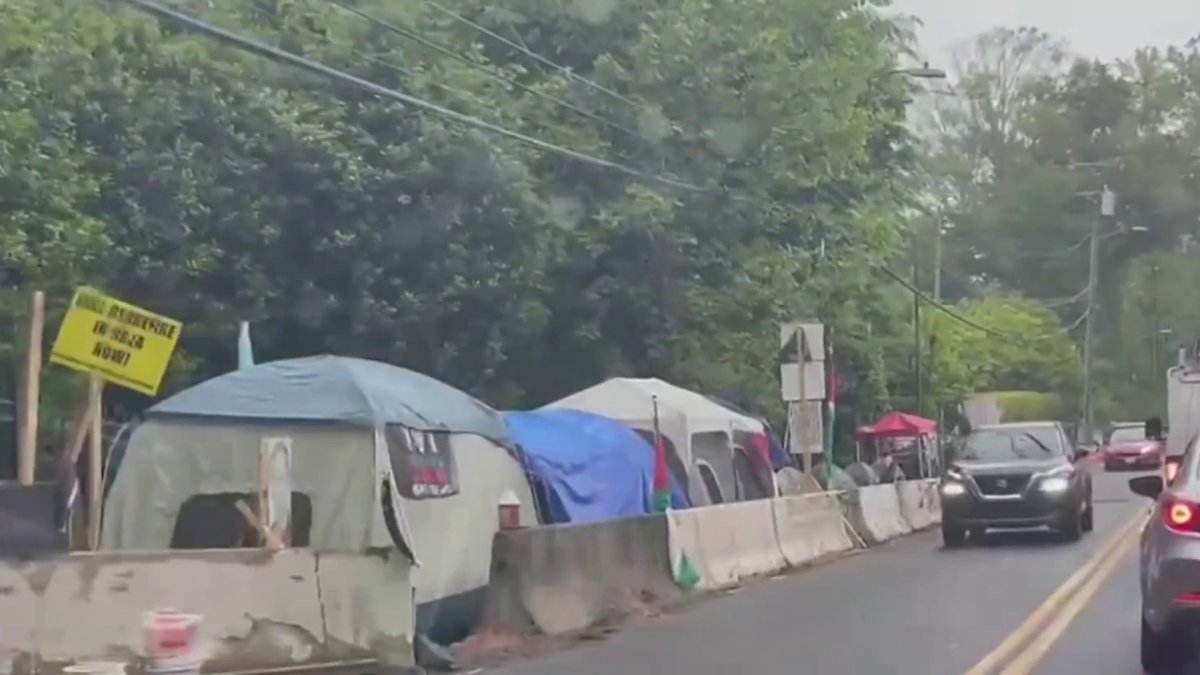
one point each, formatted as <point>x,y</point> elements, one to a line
<point>1182,516</point>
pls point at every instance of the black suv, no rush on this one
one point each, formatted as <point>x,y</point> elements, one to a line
<point>1018,475</point>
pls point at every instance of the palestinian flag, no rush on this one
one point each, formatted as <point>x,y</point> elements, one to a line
<point>662,484</point>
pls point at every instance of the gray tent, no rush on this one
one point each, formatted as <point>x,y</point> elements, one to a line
<point>338,388</point>
<point>355,431</point>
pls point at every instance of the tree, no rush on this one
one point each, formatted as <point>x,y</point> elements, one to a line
<point>1027,350</point>
<point>1025,203</point>
<point>233,188</point>
<point>47,238</point>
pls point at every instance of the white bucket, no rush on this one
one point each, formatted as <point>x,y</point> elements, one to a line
<point>172,641</point>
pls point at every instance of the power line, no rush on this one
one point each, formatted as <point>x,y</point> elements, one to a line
<point>939,306</point>
<point>274,53</point>
<point>532,54</point>
<point>447,51</point>
<point>395,67</point>
<point>1062,302</point>
<point>1081,319</point>
<point>412,75</point>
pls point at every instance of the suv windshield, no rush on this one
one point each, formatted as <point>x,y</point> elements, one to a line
<point>1127,435</point>
<point>1002,445</point>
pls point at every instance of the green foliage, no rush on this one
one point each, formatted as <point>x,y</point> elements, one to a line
<point>1157,315</point>
<point>212,186</point>
<point>1025,155</point>
<point>1032,352</point>
<point>1031,406</point>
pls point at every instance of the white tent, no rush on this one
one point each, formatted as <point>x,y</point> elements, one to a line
<point>701,431</point>
<point>355,431</point>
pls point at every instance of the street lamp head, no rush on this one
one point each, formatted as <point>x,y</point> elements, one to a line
<point>1139,228</point>
<point>922,73</point>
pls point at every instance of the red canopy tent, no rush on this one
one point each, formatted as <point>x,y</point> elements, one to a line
<point>898,425</point>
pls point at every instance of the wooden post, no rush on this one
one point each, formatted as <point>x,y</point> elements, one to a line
<point>95,458</point>
<point>264,488</point>
<point>31,392</point>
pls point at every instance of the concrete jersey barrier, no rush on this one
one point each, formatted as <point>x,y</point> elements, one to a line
<point>564,578</point>
<point>725,543</point>
<point>914,501</point>
<point>933,500</point>
<point>809,527</point>
<point>876,515</point>
<point>259,609</point>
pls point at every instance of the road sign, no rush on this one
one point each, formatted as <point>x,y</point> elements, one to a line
<point>124,344</point>
<point>813,335</point>
<point>814,381</point>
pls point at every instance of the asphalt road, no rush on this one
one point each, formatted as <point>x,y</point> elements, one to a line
<point>908,608</point>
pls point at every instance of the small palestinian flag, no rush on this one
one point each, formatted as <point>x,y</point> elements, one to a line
<point>662,485</point>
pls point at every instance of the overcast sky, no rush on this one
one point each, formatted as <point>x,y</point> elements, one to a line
<point>1105,29</point>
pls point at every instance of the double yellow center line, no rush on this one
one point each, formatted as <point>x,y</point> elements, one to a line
<point>1024,648</point>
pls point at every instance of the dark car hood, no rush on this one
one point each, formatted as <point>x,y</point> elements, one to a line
<point>978,468</point>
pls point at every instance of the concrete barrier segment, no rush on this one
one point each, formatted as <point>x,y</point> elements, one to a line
<point>810,527</point>
<point>913,499</point>
<point>875,514</point>
<point>726,543</point>
<point>260,609</point>
<point>565,578</point>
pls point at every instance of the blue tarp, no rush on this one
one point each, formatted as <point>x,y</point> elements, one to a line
<point>592,468</point>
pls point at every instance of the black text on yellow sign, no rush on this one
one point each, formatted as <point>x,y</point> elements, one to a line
<point>127,345</point>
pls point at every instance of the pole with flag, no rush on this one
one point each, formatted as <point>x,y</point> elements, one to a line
<point>662,486</point>
<point>686,574</point>
<point>245,348</point>
<point>831,387</point>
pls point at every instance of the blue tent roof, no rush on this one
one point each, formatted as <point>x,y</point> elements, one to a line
<point>337,389</point>
<point>593,468</point>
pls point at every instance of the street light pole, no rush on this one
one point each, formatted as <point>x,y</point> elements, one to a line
<point>1107,209</point>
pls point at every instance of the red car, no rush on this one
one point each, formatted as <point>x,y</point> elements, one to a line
<point>1128,448</point>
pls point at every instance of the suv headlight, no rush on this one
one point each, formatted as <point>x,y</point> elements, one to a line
<point>1055,483</point>
<point>953,489</point>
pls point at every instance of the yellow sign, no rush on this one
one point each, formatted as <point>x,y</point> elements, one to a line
<point>127,345</point>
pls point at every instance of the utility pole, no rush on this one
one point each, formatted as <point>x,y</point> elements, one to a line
<point>937,261</point>
<point>1154,329</point>
<point>917,338</point>
<point>1107,209</point>
<point>30,398</point>
<point>806,459</point>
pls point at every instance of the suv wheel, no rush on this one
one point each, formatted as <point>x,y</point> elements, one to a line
<point>1072,529</point>
<point>1161,653</point>
<point>953,536</point>
<point>1089,518</point>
